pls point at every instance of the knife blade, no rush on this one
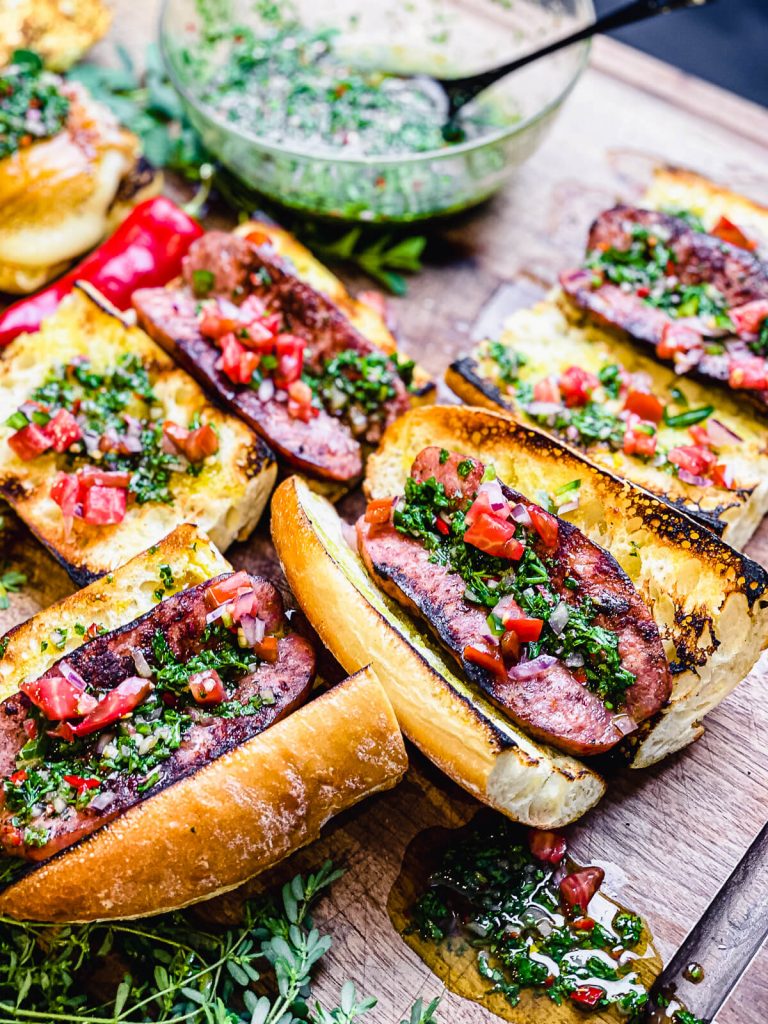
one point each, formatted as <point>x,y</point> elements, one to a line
<point>724,941</point>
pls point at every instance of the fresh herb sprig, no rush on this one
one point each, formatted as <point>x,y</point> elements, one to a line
<point>11,582</point>
<point>174,971</point>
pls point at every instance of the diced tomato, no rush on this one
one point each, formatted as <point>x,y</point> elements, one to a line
<point>693,459</point>
<point>300,404</point>
<point>749,373</point>
<point>587,996</point>
<point>576,385</point>
<point>289,350</point>
<point>214,324</point>
<point>267,650</point>
<point>749,318</point>
<point>207,687</point>
<point>526,629</point>
<point>117,703</point>
<point>546,846</point>
<point>104,506</point>
<point>225,589</point>
<point>93,631</point>
<point>236,361</point>
<point>11,835</point>
<point>482,506</point>
<point>638,442</point>
<point>80,784</point>
<point>726,230</point>
<point>442,527</point>
<point>677,337</point>
<point>63,430</point>
<point>488,658</point>
<point>583,924</point>
<point>257,336</point>
<point>378,511</point>
<point>510,646</point>
<point>252,308</point>
<point>58,697</point>
<point>644,405</point>
<point>17,777</point>
<point>195,445</point>
<point>29,442</point>
<point>89,476</point>
<point>578,888</point>
<point>495,537</point>
<point>722,476</point>
<point>545,525</point>
<point>546,390</point>
<point>65,491</point>
<point>700,436</point>
<point>63,731</point>
<point>29,725</point>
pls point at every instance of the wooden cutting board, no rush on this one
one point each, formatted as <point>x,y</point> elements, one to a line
<point>667,837</point>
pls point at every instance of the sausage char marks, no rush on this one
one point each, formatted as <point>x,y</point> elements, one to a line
<point>700,301</point>
<point>569,650</point>
<point>137,709</point>
<point>272,348</point>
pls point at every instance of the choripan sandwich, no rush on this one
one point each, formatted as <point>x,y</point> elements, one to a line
<point>515,641</point>
<point>275,337</point>
<point>68,173</point>
<point>595,389</point>
<point>106,445</point>
<point>160,740</point>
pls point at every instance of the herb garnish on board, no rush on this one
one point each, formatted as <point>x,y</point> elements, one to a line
<point>174,970</point>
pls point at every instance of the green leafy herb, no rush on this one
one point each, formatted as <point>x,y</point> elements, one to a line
<point>11,582</point>
<point>691,218</point>
<point>384,257</point>
<point>356,386</point>
<point>610,377</point>
<point>203,282</point>
<point>701,300</point>
<point>508,361</point>
<point>689,417</point>
<point>759,345</point>
<point>32,106</point>
<point>641,264</point>
<point>225,656</point>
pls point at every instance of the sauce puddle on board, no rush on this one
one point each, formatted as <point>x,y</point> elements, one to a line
<point>487,917</point>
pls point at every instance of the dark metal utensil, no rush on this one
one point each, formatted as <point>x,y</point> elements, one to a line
<point>723,942</point>
<point>460,91</point>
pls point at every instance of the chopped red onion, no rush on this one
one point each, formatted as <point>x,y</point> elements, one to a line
<point>521,515</point>
<point>574,660</point>
<point>217,612</point>
<point>691,478</point>
<point>253,629</point>
<point>531,669</point>
<point>543,409</point>
<point>569,506</point>
<point>505,605</point>
<point>280,395</point>
<point>266,390</point>
<point>102,801</point>
<point>495,495</point>
<point>558,620</point>
<point>625,724</point>
<point>721,434</point>
<point>141,663</point>
<point>71,675</point>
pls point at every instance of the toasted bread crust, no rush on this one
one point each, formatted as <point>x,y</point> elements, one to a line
<point>458,730</point>
<point>707,599</point>
<point>219,826</point>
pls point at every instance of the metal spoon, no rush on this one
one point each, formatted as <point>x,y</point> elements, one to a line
<point>460,91</point>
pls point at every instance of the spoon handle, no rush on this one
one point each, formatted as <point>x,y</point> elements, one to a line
<point>461,90</point>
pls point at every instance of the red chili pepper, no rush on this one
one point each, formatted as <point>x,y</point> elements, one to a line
<point>144,252</point>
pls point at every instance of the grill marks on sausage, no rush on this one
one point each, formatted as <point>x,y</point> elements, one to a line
<point>107,660</point>
<point>325,446</point>
<point>554,706</point>
<point>700,259</point>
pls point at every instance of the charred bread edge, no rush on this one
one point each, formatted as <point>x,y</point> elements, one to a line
<point>681,187</point>
<point>465,380</point>
<point>237,816</point>
<point>241,813</point>
<point>457,729</point>
<point>253,474</point>
<point>709,601</point>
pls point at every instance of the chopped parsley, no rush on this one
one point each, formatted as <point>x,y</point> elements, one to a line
<point>688,418</point>
<point>225,656</point>
<point>355,386</point>
<point>202,283</point>
<point>759,345</point>
<point>610,377</point>
<point>32,106</point>
<point>641,265</point>
<point>11,582</point>
<point>508,361</point>
<point>700,300</point>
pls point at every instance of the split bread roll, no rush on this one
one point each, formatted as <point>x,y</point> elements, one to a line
<point>707,600</point>
<point>241,813</point>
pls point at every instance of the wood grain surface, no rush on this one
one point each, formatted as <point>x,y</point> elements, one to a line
<point>667,837</point>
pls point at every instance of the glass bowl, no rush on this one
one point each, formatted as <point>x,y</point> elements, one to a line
<point>438,37</point>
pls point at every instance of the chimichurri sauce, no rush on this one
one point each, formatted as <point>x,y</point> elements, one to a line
<point>291,86</point>
<point>487,908</point>
<point>32,106</point>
